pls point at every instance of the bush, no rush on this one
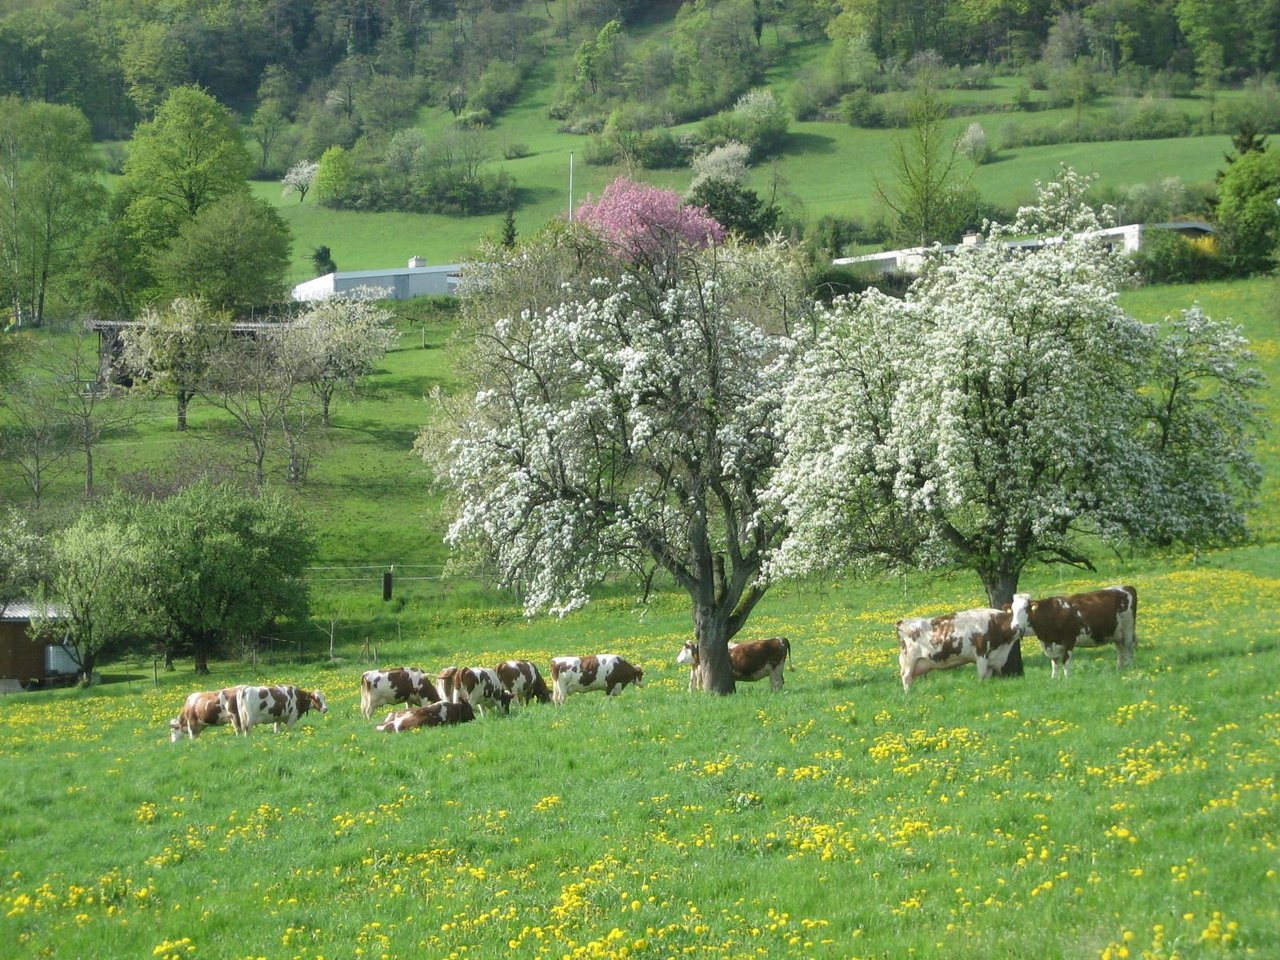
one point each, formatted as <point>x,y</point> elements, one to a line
<point>974,145</point>
<point>861,109</point>
<point>514,150</point>
<point>599,151</point>
<point>757,119</point>
<point>1168,257</point>
<point>658,148</point>
<point>497,87</point>
<point>473,120</point>
<point>828,281</point>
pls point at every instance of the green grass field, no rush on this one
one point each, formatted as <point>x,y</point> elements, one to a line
<point>1118,814</point>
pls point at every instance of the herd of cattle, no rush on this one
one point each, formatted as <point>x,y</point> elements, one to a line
<point>985,637</point>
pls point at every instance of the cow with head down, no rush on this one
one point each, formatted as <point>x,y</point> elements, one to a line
<point>1085,620</point>
<point>205,708</point>
<point>399,685</point>
<point>750,661</point>
<point>985,637</point>
<point>438,714</point>
<point>481,687</point>
<point>283,704</point>
<point>523,681</point>
<point>606,671</point>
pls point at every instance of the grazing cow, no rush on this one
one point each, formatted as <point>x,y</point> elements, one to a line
<point>205,709</point>
<point>1085,620</point>
<point>435,714</point>
<point>753,660</point>
<point>985,637</point>
<point>607,671</point>
<point>275,705</point>
<point>481,687</point>
<point>447,684</point>
<point>522,679</point>
<point>400,685</point>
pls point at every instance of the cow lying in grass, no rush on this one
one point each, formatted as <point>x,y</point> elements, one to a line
<point>436,714</point>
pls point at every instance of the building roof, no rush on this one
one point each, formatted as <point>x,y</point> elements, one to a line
<point>21,611</point>
<point>391,272</point>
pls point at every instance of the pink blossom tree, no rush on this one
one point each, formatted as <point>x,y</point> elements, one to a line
<point>648,224</point>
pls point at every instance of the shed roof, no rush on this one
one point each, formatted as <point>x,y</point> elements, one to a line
<point>21,611</point>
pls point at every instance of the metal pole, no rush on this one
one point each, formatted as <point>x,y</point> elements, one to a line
<point>571,186</point>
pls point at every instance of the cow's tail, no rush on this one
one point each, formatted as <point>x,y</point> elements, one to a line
<point>366,693</point>
<point>787,645</point>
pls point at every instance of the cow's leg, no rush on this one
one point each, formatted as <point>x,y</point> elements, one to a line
<point>1066,663</point>
<point>775,678</point>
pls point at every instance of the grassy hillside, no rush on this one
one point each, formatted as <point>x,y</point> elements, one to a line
<point>825,168</point>
<point>1116,814</point>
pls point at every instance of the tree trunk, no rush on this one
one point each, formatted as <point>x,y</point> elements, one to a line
<point>183,399</point>
<point>1001,586</point>
<point>324,408</point>
<point>201,654</point>
<point>716,675</point>
<point>88,472</point>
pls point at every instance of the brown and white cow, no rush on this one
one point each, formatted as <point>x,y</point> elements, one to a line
<point>985,636</point>
<point>481,687</point>
<point>753,660</point>
<point>436,714</point>
<point>398,685</point>
<point>1085,620</point>
<point>205,709</point>
<point>606,671</point>
<point>523,681</point>
<point>275,705</point>
<point>447,684</point>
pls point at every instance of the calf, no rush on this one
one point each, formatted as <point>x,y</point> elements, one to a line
<point>275,705</point>
<point>522,679</point>
<point>985,637</point>
<point>435,714</point>
<point>606,671</point>
<point>400,685</point>
<point>749,661</point>
<point>205,709</point>
<point>1085,620</point>
<point>481,687</point>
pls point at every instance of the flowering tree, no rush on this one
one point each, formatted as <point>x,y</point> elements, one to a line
<point>648,225</point>
<point>633,419</point>
<point>299,177</point>
<point>1006,409</point>
<point>338,342</point>
<point>171,348</point>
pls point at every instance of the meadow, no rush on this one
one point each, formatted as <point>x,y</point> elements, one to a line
<point>1117,814</point>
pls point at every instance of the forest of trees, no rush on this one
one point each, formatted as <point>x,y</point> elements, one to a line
<point>293,69</point>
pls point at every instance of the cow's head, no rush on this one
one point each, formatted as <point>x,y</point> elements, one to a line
<point>504,699</point>
<point>388,725</point>
<point>639,677</point>
<point>175,729</point>
<point>1021,608</point>
<point>317,701</point>
<point>688,654</point>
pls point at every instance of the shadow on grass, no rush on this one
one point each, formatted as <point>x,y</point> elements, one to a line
<point>798,143</point>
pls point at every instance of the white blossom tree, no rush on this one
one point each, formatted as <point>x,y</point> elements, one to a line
<point>299,178</point>
<point>1009,411</point>
<point>20,560</point>
<point>630,417</point>
<point>337,343</point>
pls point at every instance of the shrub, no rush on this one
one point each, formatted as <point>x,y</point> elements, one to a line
<point>599,151</point>
<point>861,109</point>
<point>497,87</point>
<point>1168,257</point>
<point>974,145</point>
<point>757,119</point>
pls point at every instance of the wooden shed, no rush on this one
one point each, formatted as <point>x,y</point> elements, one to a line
<point>29,663</point>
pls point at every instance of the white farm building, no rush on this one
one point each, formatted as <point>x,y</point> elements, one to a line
<point>394,283</point>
